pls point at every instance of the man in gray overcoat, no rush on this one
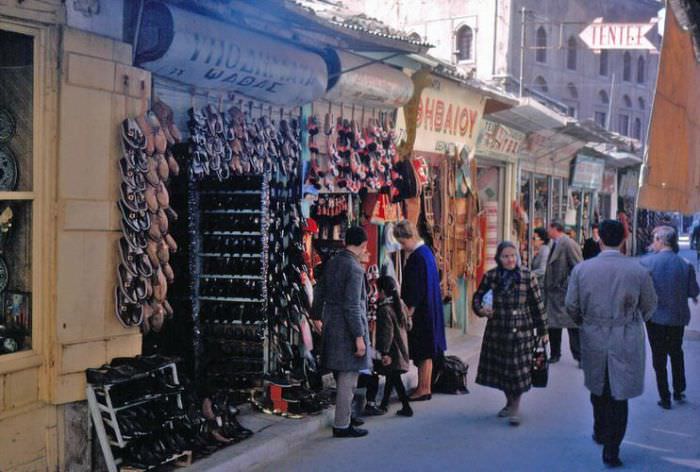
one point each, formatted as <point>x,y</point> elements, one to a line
<point>564,255</point>
<point>340,299</point>
<point>610,297</point>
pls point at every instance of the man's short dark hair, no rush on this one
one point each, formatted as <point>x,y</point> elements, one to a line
<point>595,226</point>
<point>611,232</point>
<point>355,235</point>
<point>556,224</point>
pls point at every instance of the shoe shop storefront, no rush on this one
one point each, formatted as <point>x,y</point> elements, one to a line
<point>442,126</point>
<point>153,224</point>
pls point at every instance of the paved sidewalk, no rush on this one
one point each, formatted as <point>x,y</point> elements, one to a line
<point>457,433</point>
<point>276,437</point>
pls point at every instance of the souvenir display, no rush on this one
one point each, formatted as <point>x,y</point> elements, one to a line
<point>8,125</point>
<point>9,172</point>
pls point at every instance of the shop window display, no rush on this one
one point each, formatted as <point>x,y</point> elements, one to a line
<point>16,177</point>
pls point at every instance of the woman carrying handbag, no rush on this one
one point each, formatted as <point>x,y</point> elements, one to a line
<point>517,322</point>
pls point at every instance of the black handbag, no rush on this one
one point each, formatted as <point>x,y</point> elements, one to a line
<point>540,365</point>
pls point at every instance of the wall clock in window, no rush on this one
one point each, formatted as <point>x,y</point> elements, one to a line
<point>8,170</point>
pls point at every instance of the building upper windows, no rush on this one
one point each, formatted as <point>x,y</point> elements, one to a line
<point>541,84</point>
<point>637,132</point>
<point>623,125</point>
<point>627,67</point>
<point>601,119</point>
<point>541,44</point>
<point>627,101</point>
<point>641,70</point>
<point>603,96</point>
<point>571,53</point>
<point>465,44</point>
<point>603,63</point>
<point>573,91</point>
<point>641,103</point>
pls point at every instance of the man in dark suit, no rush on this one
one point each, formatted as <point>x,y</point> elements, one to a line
<point>591,246</point>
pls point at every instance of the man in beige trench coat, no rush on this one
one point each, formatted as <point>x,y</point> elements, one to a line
<point>610,297</point>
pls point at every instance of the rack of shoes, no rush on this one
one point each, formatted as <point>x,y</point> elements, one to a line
<point>230,263</point>
<point>137,408</point>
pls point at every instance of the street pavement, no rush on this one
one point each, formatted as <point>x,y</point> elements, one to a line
<point>463,433</point>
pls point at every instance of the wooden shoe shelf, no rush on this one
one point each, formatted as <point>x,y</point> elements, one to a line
<point>103,412</point>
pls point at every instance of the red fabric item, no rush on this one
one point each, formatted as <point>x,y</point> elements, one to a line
<point>311,226</point>
<point>372,242</point>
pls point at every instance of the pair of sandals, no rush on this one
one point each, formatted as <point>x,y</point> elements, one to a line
<point>513,420</point>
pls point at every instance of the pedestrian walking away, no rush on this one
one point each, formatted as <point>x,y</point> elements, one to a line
<point>342,295</point>
<point>516,319</point>
<point>420,292</point>
<point>610,297</point>
<point>564,256</point>
<point>392,343</point>
<point>675,282</point>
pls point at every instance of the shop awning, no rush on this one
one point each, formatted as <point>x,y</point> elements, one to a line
<point>312,24</point>
<point>530,116</point>
<point>671,178</point>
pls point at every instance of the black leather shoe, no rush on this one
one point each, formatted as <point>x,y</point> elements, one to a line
<point>405,411</point>
<point>679,397</point>
<point>349,432</point>
<point>374,410</point>
<point>357,422</point>
<point>611,456</point>
<point>664,403</point>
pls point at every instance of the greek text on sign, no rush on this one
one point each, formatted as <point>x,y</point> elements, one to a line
<point>437,115</point>
<point>599,35</point>
<point>498,140</point>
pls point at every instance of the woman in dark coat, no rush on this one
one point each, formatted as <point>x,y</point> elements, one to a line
<point>392,342</point>
<point>421,294</point>
<point>516,319</point>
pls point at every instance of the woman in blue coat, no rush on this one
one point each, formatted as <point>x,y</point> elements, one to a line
<point>420,292</point>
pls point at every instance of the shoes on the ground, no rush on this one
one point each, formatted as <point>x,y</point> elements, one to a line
<point>374,410</point>
<point>505,411</point>
<point>664,403</point>
<point>611,456</point>
<point>597,439</point>
<point>514,420</point>
<point>357,422</point>
<point>405,411</point>
<point>554,359</point>
<point>422,398</point>
<point>679,397</point>
<point>349,432</point>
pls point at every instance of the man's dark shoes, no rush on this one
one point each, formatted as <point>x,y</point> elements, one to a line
<point>422,398</point>
<point>357,422</point>
<point>554,359</point>
<point>679,397</point>
<point>349,432</point>
<point>611,457</point>
<point>374,410</point>
<point>405,411</point>
<point>665,404</point>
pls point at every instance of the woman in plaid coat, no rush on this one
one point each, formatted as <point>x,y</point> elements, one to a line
<point>515,319</point>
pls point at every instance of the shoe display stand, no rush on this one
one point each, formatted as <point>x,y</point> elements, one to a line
<point>229,258</point>
<point>110,405</point>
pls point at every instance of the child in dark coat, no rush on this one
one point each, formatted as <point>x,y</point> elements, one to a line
<point>392,342</point>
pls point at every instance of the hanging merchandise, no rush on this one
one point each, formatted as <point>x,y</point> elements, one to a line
<point>144,271</point>
<point>353,158</point>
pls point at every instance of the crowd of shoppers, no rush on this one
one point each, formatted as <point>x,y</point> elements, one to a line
<point>410,325</point>
<point>602,297</point>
